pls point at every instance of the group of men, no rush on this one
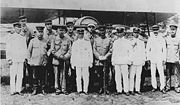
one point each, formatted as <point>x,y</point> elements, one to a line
<point>68,58</point>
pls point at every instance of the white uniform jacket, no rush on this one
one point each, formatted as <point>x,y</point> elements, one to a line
<point>156,49</point>
<point>121,51</point>
<point>17,48</point>
<point>82,55</point>
<point>138,52</point>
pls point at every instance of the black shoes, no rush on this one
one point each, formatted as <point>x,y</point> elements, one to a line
<point>34,92</point>
<point>132,93</point>
<point>127,93</point>
<point>153,90</point>
<point>163,91</point>
<point>118,93</point>
<point>138,92</point>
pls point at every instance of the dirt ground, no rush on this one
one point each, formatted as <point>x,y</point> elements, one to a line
<point>147,98</point>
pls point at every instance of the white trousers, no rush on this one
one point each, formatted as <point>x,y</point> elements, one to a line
<point>82,73</point>
<point>160,69</point>
<point>121,70</point>
<point>16,76</point>
<point>135,71</point>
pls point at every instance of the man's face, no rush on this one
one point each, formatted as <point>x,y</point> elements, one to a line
<point>40,35</point>
<point>70,28</point>
<point>102,32</point>
<point>80,33</point>
<point>49,26</point>
<point>173,31</point>
<point>61,32</point>
<point>91,28</point>
<point>17,29</point>
<point>155,32</point>
<point>23,22</point>
<point>136,35</point>
<point>108,30</point>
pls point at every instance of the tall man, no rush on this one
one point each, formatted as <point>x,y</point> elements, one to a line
<point>156,53</point>
<point>38,59</point>
<point>138,60</point>
<point>82,60</point>
<point>49,35</point>
<point>28,34</point>
<point>71,77</point>
<point>60,48</point>
<point>102,51</point>
<point>16,55</point>
<point>121,52</point>
<point>173,50</point>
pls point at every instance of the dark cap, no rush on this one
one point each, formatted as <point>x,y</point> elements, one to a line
<point>48,22</point>
<point>16,24</point>
<point>22,17</point>
<point>173,25</point>
<point>101,28</point>
<point>55,27</point>
<point>69,24</point>
<point>120,29</point>
<point>136,30</point>
<point>80,27</point>
<point>40,28</point>
<point>155,27</point>
<point>109,26</point>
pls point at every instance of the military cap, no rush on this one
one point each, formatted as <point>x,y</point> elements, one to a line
<point>40,28</point>
<point>155,27</point>
<point>69,24</point>
<point>16,24</point>
<point>120,29</point>
<point>101,27</point>
<point>77,27</point>
<point>48,22</point>
<point>22,17</point>
<point>173,25</point>
<point>55,27</point>
<point>80,28</point>
<point>136,30</point>
<point>109,26</point>
<point>91,25</point>
<point>142,25</point>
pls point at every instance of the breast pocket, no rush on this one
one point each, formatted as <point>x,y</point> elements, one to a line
<point>65,46</point>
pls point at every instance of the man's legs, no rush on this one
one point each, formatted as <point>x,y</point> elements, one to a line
<point>85,75</point>
<point>13,72</point>
<point>153,75</point>
<point>138,78</point>
<point>19,76</point>
<point>161,75</point>
<point>78,79</point>
<point>125,73</point>
<point>118,78</point>
<point>133,70</point>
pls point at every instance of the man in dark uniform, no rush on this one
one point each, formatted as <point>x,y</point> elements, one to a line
<point>49,35</point>
<point>37,52</point>
<point>60,50</point>
<point>28,34</point>
<point>102,51</point>
<point>71,75</point>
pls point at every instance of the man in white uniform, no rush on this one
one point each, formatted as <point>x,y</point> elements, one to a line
<point>138,60</point>
<point>156,53</point>
<point>120,59</point>
<point>16,55</point>
<point>82,59</point>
